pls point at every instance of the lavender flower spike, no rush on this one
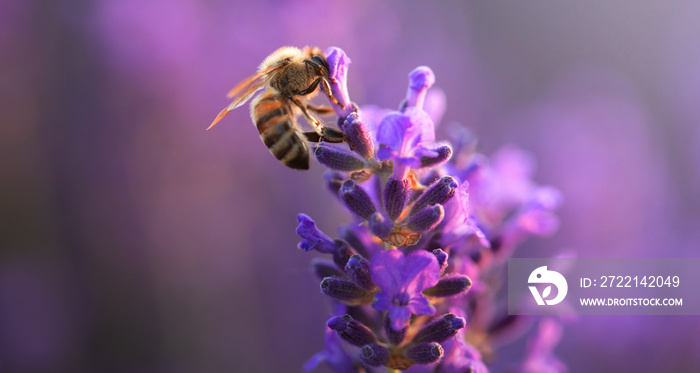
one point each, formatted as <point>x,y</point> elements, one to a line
<point>410,203</point>
<point>312,237</point>
<point>419,81</point>
<point>401,280</point>
<point>338,62</point>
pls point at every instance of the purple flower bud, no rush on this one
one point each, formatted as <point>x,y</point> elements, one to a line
<point>352,331</point>
<point>462,139</point>
<point>449,285</point>
<point>395,337</point>
<point>354,239</point>
<point>343,290</point>
<point>443,155</point>
<point>323,268</point>
<point>359,135</point>
<point>426,219</point>
<point>440,329</point>
<point>374,355</point>
<point>358,271</point>
<point>425,353</point>
<point>338,62</point>
<point>340,122</point>
<point>312,237</point>
<point>334,180</point>
<point>379,225</point>
<point>337,158</point>
<point>396,194</point>
<point>419,81</point>
<point>509,325</point>
<point>438,193</point>
<point>343,253</point>
<point>357,200</point>
<point>441,258</point>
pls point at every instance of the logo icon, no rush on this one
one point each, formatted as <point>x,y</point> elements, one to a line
<point>542,276</point>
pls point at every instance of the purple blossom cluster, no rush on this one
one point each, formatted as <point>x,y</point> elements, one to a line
<point>413,278</point>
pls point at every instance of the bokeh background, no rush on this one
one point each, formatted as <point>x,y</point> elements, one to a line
<point>135,241</point>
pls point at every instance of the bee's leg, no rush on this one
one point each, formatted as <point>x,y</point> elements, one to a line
<point>327,88</point>
<point>311,88</point>
<point>333,135</point>
<point>320,64</point>
<point>329,135</point>
<point>324,133</point>
<point>322,110</point>
<point>318,126</point>
<point>312,136</point>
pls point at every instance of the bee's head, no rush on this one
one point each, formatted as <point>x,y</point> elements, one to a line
<point>321,60</point>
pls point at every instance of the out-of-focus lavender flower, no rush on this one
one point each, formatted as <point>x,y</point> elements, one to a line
<point>458,226</point>
<point>504,204</point>
<point>401,280</point>
<point>334,355</point>
<point>504,185</point>
<point>540,357</point>
<point>435,104</point>
<point>460,356</point>
<point>426,225</point>
<point>372,115</point>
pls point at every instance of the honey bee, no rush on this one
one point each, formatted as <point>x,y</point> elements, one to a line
<point>288,75</point>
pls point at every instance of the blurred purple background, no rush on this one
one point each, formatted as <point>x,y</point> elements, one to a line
<point>135,241</point>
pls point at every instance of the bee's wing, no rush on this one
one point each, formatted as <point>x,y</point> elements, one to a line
<point>251,85</point>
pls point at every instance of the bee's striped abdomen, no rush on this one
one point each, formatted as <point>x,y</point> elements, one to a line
<point>278,131</point>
